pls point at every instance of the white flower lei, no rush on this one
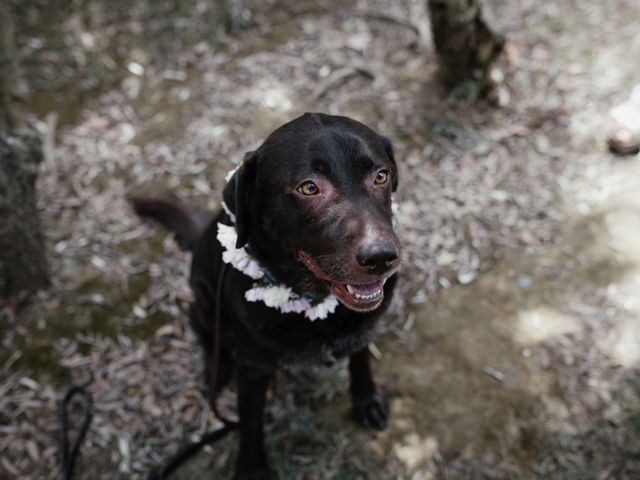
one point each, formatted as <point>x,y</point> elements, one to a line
<point>277,296</point>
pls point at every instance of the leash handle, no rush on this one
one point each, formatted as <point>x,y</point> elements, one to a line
<point>68,455</point>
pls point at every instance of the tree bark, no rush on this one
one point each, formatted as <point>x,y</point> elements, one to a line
<point>466,45</point>
<point>10,84</point>
<point>23,263</point>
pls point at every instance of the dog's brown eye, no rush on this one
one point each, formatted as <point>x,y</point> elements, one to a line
<point>308,188</point>
<point>382,177</point>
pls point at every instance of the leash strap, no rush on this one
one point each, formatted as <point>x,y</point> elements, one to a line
<point>187,451</point>
<point>215,352</point>
<point>69,455</point>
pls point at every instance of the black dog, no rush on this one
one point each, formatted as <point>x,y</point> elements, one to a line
<point>313,206</point>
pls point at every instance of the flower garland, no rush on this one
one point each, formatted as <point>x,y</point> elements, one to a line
<point>273,295</point>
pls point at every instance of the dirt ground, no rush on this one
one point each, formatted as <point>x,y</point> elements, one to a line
<point>513,347</point>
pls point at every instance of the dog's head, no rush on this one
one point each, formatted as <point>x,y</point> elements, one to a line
<point>314,204</point>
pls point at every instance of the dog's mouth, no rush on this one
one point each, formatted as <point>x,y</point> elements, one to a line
<point>362,297</point>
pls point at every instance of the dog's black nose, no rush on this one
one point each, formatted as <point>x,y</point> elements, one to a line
<point>377,257</point>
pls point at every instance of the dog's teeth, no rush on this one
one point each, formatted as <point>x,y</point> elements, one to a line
<point>350,289</point>
<point>371,296</point>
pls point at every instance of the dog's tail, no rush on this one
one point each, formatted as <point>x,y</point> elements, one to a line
<point>187,222</point>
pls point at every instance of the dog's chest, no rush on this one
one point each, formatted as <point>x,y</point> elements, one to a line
<point>295,339</point>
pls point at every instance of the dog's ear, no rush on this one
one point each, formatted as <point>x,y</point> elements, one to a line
<point>238,195</point>
<point>388,148</point>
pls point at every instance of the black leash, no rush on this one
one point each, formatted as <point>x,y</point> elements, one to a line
<point>191,449</point>
<point>188,451</point>
<point>68,456</point>
<point>215,352</point>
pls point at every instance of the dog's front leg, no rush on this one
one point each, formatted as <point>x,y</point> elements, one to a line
<point>252,392</point>
<point>370,405</point>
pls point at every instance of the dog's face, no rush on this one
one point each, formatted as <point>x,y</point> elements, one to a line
<point>314,203</point>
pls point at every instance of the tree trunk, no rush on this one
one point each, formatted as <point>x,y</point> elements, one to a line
<point>23,264</point>
<point>466,45</point>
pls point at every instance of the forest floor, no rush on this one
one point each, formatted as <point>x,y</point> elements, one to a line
<point>513,347</point>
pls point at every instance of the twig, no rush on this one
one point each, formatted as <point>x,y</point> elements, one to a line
<point>421,32</point>
<point>391,18</point>
<point>48,143</point>
<point>375,351</point>
<point>493,373</point>
<point>340,76</point>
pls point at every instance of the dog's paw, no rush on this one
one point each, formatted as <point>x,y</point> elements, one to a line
<point>373,411</point>
<point>252,474</point>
